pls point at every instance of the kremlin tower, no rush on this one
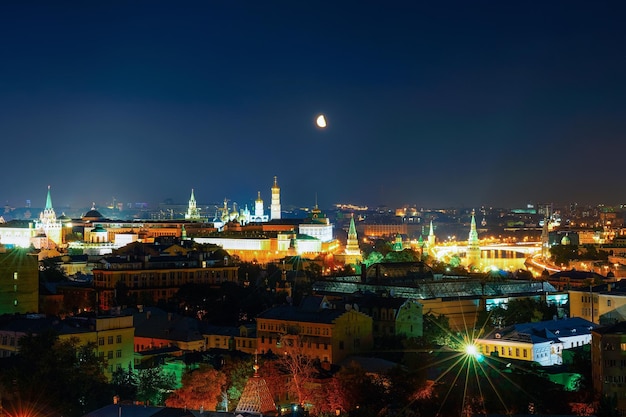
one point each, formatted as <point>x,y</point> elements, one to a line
<point>473,246</point>
<point>48,222</point>
<point>192,211</point>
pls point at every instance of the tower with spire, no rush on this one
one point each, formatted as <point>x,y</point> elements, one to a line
<point>473,246</point>
<point>431,236</point>
<point>352,244</point>
<point>192,210</point>
<point>275,206</point>
<point>48,222</point>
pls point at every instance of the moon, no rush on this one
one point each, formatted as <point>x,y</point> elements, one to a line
<point>321,121</point>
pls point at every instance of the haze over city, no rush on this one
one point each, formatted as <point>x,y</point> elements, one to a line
<point>429,103</point>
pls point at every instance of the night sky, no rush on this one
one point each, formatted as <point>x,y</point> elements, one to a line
<point>435,103</point>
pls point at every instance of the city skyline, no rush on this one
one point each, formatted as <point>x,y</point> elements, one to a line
<point>435,105</point>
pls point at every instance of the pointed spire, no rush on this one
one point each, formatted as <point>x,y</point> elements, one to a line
<point>193,197</point>
<point>352,229</point>
<point>275,182</point>
<point>48,200</point>
<point>432,231</point>
<point>473,234</point>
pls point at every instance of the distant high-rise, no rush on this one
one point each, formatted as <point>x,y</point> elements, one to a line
<point>275,207</point>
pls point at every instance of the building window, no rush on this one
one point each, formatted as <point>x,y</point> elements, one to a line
<point>517,352</point>
<point>608,303</point>
<point>101,341</point>
<point>110,340</point>
<point>15,302</point>
<point>110,354</point>
<point>118,353</point>
<point>119,338</point>
<point>15,275</point>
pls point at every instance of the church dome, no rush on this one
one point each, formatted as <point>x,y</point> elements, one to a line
<point>93,215</point>
<point>566,240</point>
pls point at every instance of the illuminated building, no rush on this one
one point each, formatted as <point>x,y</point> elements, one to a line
<point>382,230</point>
<point>18,233</point>
<point>541,342</point>
<point>274,240</point>
<point>275,206</point>
<point>608,353</point>
<point>158,277</point>
<point>317,226</point>
<point>327,334</point>
<point>602,304</point>
<point>19,281</point>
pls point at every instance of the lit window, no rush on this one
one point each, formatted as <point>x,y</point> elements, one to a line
<point>15,275</point>
<point>15,302</point>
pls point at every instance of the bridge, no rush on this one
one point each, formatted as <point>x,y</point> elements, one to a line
<point>525,248</point>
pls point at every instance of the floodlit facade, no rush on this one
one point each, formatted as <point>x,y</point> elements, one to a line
<point>541,342</point>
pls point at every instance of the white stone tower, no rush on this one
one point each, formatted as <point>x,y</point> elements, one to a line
<point>275,206</point>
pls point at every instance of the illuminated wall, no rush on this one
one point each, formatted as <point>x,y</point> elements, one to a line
<point>17,236</point>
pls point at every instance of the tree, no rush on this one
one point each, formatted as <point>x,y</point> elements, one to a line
<point>299,366</point>
<point>124,383</point>
<point>154,385</point>
<point>562,254</point>
<point>201,389</point>
<point>356,390</point>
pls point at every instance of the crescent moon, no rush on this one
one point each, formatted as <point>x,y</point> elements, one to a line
<point>321,121</point>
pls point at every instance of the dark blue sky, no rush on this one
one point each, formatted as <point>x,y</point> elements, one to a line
<point>455,103</point>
